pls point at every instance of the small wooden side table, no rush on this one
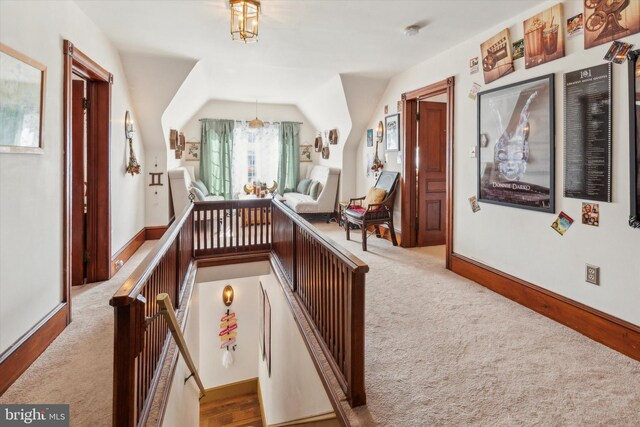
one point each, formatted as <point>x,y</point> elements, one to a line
<point>342,206</point>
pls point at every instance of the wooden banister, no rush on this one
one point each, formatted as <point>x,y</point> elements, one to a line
<point>134,283</point>
<point>166,308</point>
<point>347,257</point>
<point>327,282</point>
<point>140,345</point>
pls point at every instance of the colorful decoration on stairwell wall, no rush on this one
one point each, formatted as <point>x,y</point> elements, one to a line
<point>228,328</point>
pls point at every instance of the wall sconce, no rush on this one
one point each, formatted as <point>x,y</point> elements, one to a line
<point>227,295</point>
<point>128,125</point>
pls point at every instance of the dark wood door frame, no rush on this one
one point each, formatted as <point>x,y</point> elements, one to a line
<point>99,83</point>
<point>409,190</point>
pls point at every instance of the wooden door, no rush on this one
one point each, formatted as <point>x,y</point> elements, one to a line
<point>77,183</point>
<point>432,173</point>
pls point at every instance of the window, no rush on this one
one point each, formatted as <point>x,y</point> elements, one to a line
<point>255,155</point>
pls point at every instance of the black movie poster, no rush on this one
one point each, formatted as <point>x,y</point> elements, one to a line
<point>516,145</point>
<point>587,133</point>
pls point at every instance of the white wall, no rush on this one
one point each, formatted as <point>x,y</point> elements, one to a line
<point>155,79</point>
<point>294,389</point>
<point>183,405</point>
<point>327,109</point>
<point>31,185</point>
<point>246,306</point>
<point>218,109</point>
<point>521,242</point>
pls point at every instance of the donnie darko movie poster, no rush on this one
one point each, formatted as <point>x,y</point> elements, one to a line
<point>516,145</point>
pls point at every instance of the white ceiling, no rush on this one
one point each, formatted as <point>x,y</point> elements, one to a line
<point>303,43</point>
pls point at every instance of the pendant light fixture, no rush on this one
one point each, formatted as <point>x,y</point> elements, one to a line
<point>244,20</point>
<point>256,123</point>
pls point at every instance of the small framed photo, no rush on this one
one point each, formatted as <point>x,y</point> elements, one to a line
<point>193,151</point>
<point>392,132</point>
<point>22,87</point>
<point>369,137</point>
<point>305,153</point>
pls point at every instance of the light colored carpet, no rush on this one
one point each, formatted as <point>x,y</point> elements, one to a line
<point>77,368</point>
<point>440,351</point>
<point>444,351</point>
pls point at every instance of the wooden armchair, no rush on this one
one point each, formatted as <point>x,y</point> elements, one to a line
<point>376,213</point>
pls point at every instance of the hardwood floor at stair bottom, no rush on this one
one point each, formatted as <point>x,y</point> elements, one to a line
<point>237,411</point>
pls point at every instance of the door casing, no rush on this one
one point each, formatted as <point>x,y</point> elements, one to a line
<point>99,83</point>
<point>409,188</point>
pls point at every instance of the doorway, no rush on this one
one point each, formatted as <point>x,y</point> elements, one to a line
<point>87,202</point>
<point>431,171</point>
<point>427,191</point>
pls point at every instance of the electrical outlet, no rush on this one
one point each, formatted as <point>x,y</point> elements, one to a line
<point>593,274</point>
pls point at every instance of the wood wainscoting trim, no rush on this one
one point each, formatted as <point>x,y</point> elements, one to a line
<point>615,333</point>
<point>17,358</point>
<point>155,232</point>
<point>128,250</point>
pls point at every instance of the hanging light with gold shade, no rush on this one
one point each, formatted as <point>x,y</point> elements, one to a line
<point>244,20</point>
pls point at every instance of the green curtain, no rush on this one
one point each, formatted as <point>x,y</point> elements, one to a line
<point>217,156</point>
<point>289,157</point>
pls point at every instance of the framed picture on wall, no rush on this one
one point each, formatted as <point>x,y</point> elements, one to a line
<point>516,145</point>
<point>497,57</point>
<point>305,153</point>
<point>634,138</point>
<point>544,37</point>
<point>261,326</point>
<point>22,89</point>
<point>369,137</point>
<point>267,331</point>
<point>193,151</point>
<point>392,132</point>
<point>606,21</point>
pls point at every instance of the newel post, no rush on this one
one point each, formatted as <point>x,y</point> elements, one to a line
<point>128,341</point>
<point>355,383</point>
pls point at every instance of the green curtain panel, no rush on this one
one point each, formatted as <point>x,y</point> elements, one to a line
<point>289,159</point>
<point>217,156</point>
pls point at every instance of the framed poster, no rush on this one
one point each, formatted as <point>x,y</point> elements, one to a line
<point>544,37</point>
<point>497,58</point>
<point>305,153</point>
<point>261,326</point>
<point>587,133</point>
<point>634,138</point>
<point>22,89</point>
<point>608,20</point>
<point>267,331</point>
<point>516,145</point>
<point>193,151</point>
<point>392,129</point>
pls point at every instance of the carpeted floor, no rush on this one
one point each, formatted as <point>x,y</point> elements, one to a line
<point>444,351</point>
<point>77,368</point>
<point>440,351</point>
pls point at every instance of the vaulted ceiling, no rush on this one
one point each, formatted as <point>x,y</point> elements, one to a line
<point>303,43</point>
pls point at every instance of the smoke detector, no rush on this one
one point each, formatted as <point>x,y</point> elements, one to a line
<point>412,30</point>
